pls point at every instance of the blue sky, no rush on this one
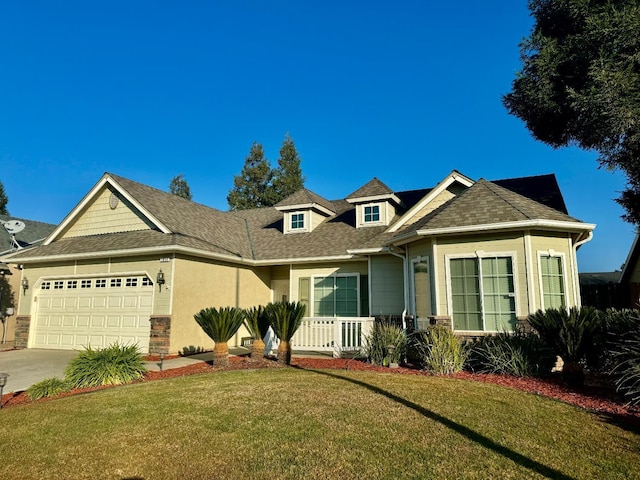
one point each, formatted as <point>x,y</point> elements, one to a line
<point>404,91</point>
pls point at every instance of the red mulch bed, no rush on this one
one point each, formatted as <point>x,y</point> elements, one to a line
<point>601,400</point>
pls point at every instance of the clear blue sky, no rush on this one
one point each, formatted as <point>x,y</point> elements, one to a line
<point>405,91</point>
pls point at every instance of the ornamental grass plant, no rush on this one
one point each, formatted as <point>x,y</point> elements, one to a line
<point>440,351</point>
<point>113,365</point>
<point>48,387</point>
<point>386,344</point>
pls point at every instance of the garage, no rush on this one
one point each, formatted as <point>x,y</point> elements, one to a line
<point>72,313</point>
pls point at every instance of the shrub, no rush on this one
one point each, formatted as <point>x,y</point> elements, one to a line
<point>626,359</point>
<point>220,324</point>
<point>113,365</point>
<point>440,351</point>
<point>520,354</point>
<point>571,334</point>
<point>376,344</point>
<point>256,319</point>
<point>191,350</point>
<point>48,387</point>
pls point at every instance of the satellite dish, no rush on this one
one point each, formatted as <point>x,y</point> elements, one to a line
<point>14,226</point>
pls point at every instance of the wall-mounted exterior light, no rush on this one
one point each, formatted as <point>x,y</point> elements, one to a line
<point>160,280</point>
<point>25,285</point>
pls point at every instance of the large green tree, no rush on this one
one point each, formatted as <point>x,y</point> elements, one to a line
<point>3,201</point>
<point>179,186</point>
<point>258,185</point>
<point>287,178</point>
<point>251,189</point>
<point>580,83</point>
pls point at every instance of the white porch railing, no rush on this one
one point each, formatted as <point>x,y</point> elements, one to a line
<point>332,334</point>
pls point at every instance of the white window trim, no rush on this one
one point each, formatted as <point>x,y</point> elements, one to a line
<point>412,282</point>
<point>481,254</point>
<point>306,219</point>
<point>552,253</point>
<point>382,209</point>
<point>312,299</point>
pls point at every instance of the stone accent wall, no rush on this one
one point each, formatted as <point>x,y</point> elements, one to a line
<point>160,336</point>
<point>523,325</point>
<point>441,321</point>
<point>23,323</point>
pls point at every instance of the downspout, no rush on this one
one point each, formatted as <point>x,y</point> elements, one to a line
<point>576,277</point>
<point>405,275</point>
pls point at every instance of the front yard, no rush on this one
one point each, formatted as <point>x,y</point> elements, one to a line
<point>296,423</point>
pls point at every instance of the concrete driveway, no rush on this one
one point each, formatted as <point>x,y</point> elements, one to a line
<point>29,366</point>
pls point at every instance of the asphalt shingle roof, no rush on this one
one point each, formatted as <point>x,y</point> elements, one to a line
<point>372,188</point>
<point>257,234</point>
<point>33,232</point>
<point>304,197</point>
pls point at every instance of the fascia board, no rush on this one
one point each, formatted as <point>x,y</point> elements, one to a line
<point>305,206</point>
<point>163,250</point>
<point>437,190</point>
<point>375,198</point>
<point>106,179</point>
<point>367,251</point>
<point>518,225</point>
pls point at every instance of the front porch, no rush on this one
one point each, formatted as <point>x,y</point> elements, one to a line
<point>337,336</point>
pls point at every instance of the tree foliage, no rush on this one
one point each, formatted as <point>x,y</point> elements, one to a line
<point>258,185</point>
<point>580,83</point>
<point>287,178</point>
<point>251,189</point>
<point>3,201</point>
<point>179,186</point>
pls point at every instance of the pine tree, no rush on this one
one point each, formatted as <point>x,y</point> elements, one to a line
<point>3,201</point>
<point>287,178</point>
<point>180,187</point>
<point>252,188</point>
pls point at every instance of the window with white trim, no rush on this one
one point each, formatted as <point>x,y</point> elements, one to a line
<point>101,283</point>
<point>131,282</point>
<point>85,284</point>
<point>58,285</point>
<point>482,293</point>
<point>552,281</point>
<point>335,296</point>
<point>297,221</point>
<point>46,286</point>
<point>72,284</point>
<point>146,282</point>
<point>371,213</point>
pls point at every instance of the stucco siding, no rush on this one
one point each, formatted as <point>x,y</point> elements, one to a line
<point>98,217</point>
<point>387,285</point>
<point>198,284</point>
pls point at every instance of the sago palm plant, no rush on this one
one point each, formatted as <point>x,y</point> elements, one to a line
<point>220,324</point>
<point>285,318</point>
<point>257,322</point>
<point>570,334</point>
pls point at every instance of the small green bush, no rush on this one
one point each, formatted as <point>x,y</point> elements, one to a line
<point>440,351</point>
<point>519,354</point>
<point>625,351</point>
<point>376,344</point>
<point>48,387</point>
<point>113,365</point>
<point>191,350</point>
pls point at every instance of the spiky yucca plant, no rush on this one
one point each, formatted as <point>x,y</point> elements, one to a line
<point>220,324</point>
<point>257,322</point>
<point>570,333</point>
<point>285,318</point>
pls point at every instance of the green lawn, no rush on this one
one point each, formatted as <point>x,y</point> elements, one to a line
<point>292,423</point>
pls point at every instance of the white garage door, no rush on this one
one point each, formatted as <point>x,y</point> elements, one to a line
<point>96,312</point>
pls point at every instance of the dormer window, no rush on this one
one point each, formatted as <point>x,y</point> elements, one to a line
<point>297,221</point>
<point>372,214</point>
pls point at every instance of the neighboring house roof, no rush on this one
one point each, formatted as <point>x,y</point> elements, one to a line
<point>256,236</point>
<point>33,233</point>
<point>599,278</point>
<point>631,261</point>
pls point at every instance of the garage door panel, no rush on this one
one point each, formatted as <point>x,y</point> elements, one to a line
<point>73,318</point>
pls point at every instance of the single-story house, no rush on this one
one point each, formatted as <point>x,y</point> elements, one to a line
<point>131,263</point>
<point>16,234</point>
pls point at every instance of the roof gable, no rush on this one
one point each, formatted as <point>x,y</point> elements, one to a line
<point>374,189</point>
<point>303,199</point>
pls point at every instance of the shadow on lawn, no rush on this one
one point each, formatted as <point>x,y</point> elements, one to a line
<point>516,457</point>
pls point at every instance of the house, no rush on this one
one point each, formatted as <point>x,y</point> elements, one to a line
<point>629,280</point>
<point>131,263</point>
<point>30,233</point>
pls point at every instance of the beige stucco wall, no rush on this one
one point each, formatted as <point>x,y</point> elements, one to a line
<point>196,284</point>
